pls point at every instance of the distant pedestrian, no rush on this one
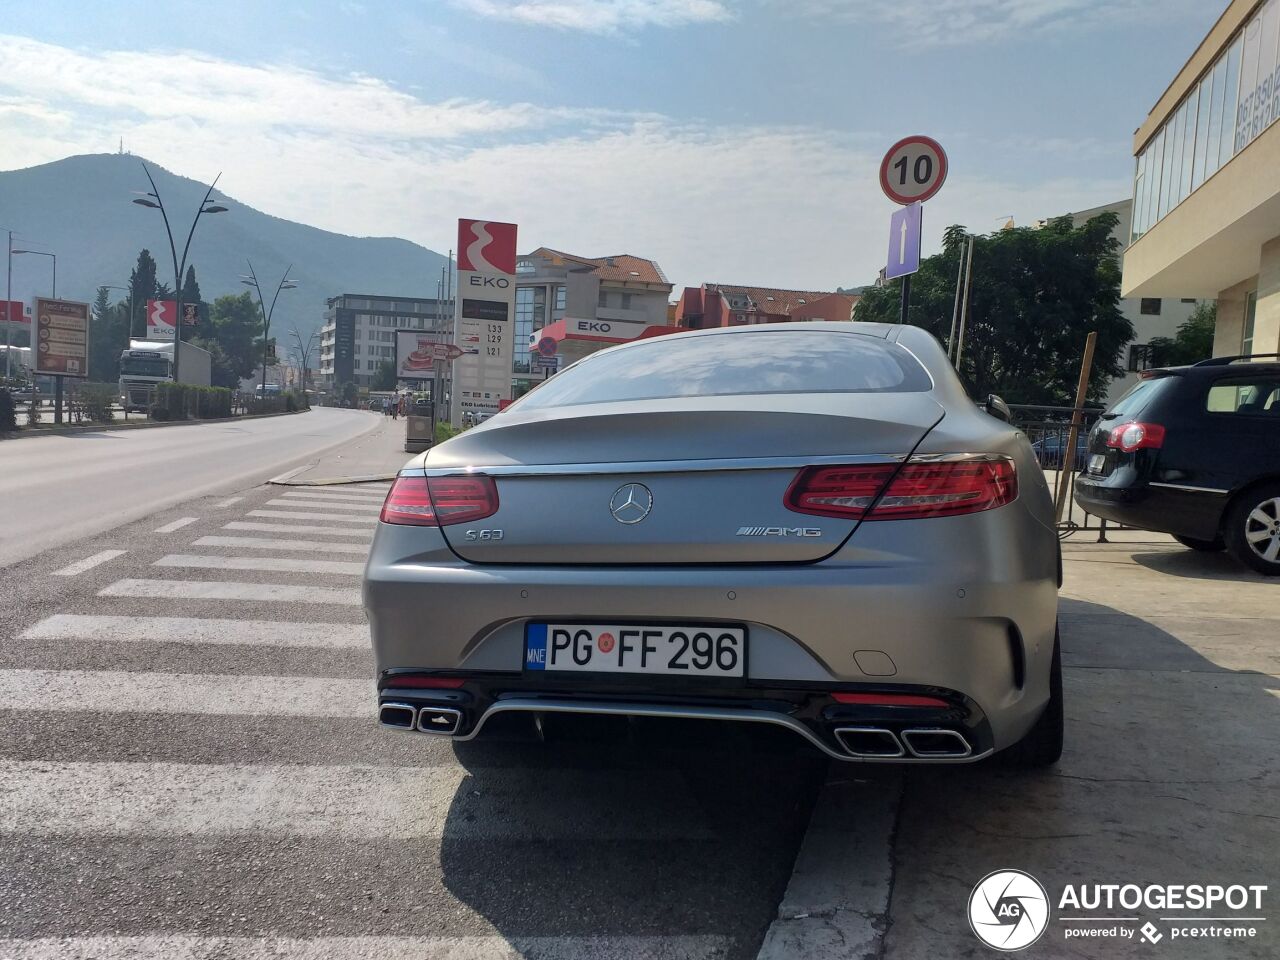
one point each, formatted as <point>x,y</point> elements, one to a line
<point>395,409</point>
<point>386,406</point>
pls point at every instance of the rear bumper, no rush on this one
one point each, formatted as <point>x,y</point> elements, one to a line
<point>1165,509</point>
<point>972,614</point>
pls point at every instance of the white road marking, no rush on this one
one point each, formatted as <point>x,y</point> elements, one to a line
<point>314,502</point>
<point>270,543</point>
<point>88,563</point>
<point>296,528</point>
<point>90,691</point>
<point>678,947</point>
<point>275,633</point>
<point>227,590</point>
<point>273,564</point>
<point>286,515</point>
<point>345,802</point>
<point>323,494</point>
<point>176,524</point>
<point>227,502</point>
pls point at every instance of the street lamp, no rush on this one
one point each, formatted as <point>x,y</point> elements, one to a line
<point>152,199</point>
<point>284,284</point>
<point>303,352</point>
<point>41,253</point>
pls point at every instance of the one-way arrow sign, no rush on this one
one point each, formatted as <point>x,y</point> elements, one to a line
<point>904,241</point>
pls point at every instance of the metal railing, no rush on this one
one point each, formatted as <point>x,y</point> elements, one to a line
<point>1049,430</point>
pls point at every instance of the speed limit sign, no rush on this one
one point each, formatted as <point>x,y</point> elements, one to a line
<point>913,170</point>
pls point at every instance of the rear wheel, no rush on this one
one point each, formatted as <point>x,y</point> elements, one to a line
<point>1253,528</point>
<point>1205,546</point>
<point>1042,746</point>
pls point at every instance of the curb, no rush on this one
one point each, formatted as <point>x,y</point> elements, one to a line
<point>837,900</point>
<point>286,479</point>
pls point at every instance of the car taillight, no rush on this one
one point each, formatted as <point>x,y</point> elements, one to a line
<point>945,488</point>
<point>837,491</point>
<point>419,502</point>
<point>1136,436</point>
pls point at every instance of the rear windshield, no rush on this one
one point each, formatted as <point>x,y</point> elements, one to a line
<point>1139,395</point>
<point>782,361</point>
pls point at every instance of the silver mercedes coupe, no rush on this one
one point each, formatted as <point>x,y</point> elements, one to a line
<point>809,525</point>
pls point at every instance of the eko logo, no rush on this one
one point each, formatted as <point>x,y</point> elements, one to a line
<point>1008,910</point>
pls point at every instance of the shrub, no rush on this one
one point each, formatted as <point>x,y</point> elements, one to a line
<point>444,431</point>
<point>183,401</point>
<point>96,400</point>
<point>158,412</point>
<point>8,418</point>
<point>33,413</point>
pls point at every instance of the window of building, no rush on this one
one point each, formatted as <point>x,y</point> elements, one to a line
<point>557,312</point>
<point>1250,314</point>
<point>525,267</point>
<point>604,298</point>
<point>626,301</point>
<point>1188,299</point>
<point>1149,307</point>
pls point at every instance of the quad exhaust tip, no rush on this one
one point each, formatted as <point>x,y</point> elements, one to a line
<point>400,716</point>
<point>936,744</point>
<point>442,721</point>
<point>869,742</point>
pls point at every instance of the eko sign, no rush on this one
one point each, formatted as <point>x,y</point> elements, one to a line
<point>483,327</point>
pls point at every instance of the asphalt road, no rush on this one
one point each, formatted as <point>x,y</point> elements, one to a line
<point>190,767</point>
<point>61,489</point>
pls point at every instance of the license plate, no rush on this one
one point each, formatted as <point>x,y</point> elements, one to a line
<point>673,650</point>
<point>1096,461</point>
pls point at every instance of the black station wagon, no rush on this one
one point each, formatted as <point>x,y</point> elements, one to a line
<point>1194,452</point>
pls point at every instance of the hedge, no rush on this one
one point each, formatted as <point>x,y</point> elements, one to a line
<point>8,422</point>
<point>185,401</point>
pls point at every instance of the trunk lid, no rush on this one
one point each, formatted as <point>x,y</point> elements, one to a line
<point>691,480</point>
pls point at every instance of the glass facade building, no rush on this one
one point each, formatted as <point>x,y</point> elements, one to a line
<point>1236,99</point>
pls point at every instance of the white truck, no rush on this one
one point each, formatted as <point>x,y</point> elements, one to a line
<point>148,362</point>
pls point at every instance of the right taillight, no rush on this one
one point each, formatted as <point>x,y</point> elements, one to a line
<point>419,502</point>
<point>1136,436</point>
<point>943,488</point>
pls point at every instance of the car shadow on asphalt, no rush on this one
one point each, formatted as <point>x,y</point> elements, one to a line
<point>1169,775</point>
<point>615,828</point>
<point>1200,565</point>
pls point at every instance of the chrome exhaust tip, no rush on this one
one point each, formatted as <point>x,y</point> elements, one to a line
<point>442,721</point>
<point>869,743</point>
<point>936,744</point>
<point>400,716</point>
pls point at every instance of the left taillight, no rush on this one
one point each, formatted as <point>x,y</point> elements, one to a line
<point>419,502</point>
<point>1129,437</point>
<point>943,488</point>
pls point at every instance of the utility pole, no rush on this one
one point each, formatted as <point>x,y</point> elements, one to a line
<point>8,319</point>
<point>964,305</point>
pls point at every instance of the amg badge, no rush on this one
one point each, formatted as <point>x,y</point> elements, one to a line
<point>779,532</point>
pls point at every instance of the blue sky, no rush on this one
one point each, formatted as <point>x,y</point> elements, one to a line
<point>731,140</point>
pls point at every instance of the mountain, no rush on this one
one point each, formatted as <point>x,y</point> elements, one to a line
<point>79,208</point>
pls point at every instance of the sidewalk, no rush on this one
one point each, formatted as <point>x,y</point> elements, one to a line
<point>377,455</point>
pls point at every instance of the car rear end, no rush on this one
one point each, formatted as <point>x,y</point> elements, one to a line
<point>873,570</point>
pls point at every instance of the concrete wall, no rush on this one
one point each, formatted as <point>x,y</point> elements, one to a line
<point>1230,328</point>
<point>1266,324</point>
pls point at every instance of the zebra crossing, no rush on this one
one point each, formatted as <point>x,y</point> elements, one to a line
<point>190,767</point>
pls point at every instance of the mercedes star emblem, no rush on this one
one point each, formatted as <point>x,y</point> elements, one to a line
<point>631,503</point>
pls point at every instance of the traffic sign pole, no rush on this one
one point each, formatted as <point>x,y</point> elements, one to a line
<point>906,298</point>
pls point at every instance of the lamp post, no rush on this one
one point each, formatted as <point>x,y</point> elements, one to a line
<point>54,256</point>
<point>206,206</point>
<point>284,284</point>
<point>303,352</point>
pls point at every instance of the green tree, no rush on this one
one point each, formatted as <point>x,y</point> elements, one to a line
<point>142,287</point>
<point>104,353</point>
<point>237,329</point>
<point>1036,294</point>
<point>1192,342</point>
<point>384,377</point>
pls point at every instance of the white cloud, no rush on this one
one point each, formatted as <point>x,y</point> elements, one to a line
<point>929,23</point>
<point>792,207</point>
<point>600,16</point>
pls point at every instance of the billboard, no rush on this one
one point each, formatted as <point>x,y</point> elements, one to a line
<point>484,317</point>
<point>14,310</point>
<point>419,355</point>
<point>62,338</point>
<point>162,319</point>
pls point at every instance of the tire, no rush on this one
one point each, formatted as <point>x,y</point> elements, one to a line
<point>1252,528</point>
<point>1042,746</point>
<point>1204,546</point>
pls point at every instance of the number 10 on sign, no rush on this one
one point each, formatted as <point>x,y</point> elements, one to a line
<point>913,170</point>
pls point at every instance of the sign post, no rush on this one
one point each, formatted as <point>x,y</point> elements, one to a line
<point>61,344</point>
<point>914,169</point>
<point>484,317</point>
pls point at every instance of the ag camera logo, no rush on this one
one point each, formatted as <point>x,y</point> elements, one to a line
<point>1008,910</point>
